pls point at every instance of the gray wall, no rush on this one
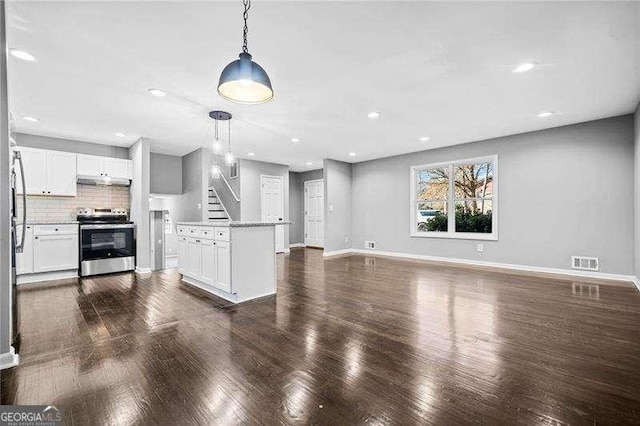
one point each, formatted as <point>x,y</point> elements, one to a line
<point>166,174</point>
<point>296,203</point>
<point>140,154</point>
<point>250,172</point>
<point>636,180</point>
<point>5,200</point>
<point>338,197</point>
<point>563,191</point>
<point>192,186</point>
<point>68,145</point>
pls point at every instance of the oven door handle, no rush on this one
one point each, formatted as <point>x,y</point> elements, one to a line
<point>108,226</point>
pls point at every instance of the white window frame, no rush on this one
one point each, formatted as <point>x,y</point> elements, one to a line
<point>451,233</point>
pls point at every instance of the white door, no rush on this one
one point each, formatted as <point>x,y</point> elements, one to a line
<point>55,253</point>
<point>314,213</point>
<point>35,171</point>
<point>208,262</point>
<point>61,173</point>
<point>117,168</point>
<point>223,266</point>
<point>194,267</point>
<point>182,254</point>
<point>273,206</point>
<point>90,165</point>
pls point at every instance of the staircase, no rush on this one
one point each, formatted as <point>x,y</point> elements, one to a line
<point>215,209</point>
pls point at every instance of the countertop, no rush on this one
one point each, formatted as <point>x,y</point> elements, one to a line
<point>235,224</point>
<point>52,222</point>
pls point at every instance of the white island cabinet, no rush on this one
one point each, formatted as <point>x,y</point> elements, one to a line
<point>235,260</point>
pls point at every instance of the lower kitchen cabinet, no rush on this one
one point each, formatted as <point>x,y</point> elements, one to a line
<point>24,260</point>
<point>50,248</point>
<point>223,263</point>
<point>235,263</point>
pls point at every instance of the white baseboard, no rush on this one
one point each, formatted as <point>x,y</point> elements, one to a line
<point>495,265</point>
<point>287,251</point>
<point>337,252</point>
<point>636,282</point>
<point>9,359</point>
<point>296,245</point>
<point>46,276</point>
<point>143,270</point>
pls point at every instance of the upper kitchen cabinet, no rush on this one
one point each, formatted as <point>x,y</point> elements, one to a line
<point>91,165</point>
<point>48,172</point>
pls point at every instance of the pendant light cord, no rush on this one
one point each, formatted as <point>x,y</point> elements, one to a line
<point>245,16</point>
<point>229,135</point>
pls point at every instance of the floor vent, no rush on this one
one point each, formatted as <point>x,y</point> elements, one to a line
<point>370,245</point>
<point>585,263</point>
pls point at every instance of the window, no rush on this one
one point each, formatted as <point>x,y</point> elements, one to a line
<point>455,199</point>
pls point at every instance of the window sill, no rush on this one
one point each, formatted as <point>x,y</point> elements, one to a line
<point>459,236</point>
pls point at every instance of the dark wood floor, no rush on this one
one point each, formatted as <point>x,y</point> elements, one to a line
<point>346,341</point>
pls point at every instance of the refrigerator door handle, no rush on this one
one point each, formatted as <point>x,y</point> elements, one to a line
<point>20,248</point>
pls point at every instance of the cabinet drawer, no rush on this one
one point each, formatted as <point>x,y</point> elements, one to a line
<point>207,233</point>
<point>222,234</point>
<point>55,230</point>
<point>192,231</point>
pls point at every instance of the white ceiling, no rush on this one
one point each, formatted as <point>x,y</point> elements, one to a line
<point>441,70</point>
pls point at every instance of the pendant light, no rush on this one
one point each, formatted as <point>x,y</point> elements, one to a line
<point>243,80</point>
<point>216,171</point>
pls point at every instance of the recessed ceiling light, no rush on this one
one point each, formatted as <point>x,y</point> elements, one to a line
<point>32,119</point>
<point>309,163</point>
<point>352,154</point>
<point>20,54</point>
<point>157,92</point>
<point>524,67</point>
<point>374,114</point>
<point>545,114</point>
<point>120,134</point>
<point>251,154</point>
<point>424,138</point>
<point>295,140</point>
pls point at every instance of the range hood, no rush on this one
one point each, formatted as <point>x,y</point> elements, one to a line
<point>103,181</point>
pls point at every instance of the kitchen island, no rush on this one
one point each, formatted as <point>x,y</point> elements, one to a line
<point>233,260</point>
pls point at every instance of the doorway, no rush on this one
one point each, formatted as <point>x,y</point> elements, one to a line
<point>272,205</point>
<point>314,213</point>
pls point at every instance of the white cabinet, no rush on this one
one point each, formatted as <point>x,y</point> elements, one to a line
<point>24,260</point>
<point>91,165</point>
<point>116,167</point>
<point>61,173</point>
<point>48,172</point>
<point>207,254</point>
<point>194,259</point>
<point>182,254</point>
<point>55,248</point>
<point>223,265</point>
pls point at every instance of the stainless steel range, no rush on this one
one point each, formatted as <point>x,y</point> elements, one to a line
<point>107,241</point>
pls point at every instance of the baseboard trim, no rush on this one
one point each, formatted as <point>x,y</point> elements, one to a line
<point>143,270</point>
<point>9,359</point>
<point>502,266</point>
<point>338,252</point>
<point>296,245</point>
<point>636,282</point>
<point>46,276</point>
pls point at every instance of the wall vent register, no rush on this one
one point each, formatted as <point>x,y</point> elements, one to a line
<point>585,263</point>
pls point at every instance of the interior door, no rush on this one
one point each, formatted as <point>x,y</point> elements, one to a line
<point>61,173</point>
<point>273,206</point>
<point>314,213</point>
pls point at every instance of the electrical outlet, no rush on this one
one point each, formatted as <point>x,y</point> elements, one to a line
<point>346,239</point>
<point>371,245</point>
<point>331,207</point>
<point>480,248</point>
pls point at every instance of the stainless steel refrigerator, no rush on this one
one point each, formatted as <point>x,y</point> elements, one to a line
<point>17,177</point>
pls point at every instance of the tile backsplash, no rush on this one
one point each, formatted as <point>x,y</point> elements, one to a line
<point>63,209</point>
